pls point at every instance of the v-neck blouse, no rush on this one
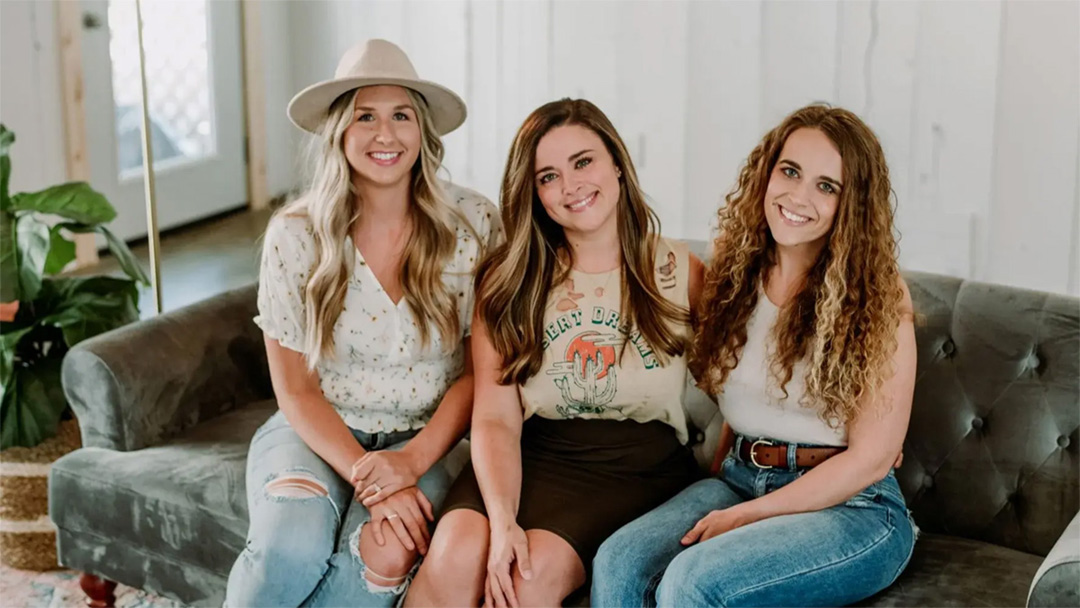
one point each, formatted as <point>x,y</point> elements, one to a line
<point>380,379</point>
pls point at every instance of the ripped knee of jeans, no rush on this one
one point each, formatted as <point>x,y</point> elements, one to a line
<point>378,583</point>
<point>296,483</point>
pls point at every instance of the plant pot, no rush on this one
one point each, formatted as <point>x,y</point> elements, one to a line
<point>27,535</point>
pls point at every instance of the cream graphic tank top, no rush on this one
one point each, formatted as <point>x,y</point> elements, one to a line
<point>586,371</point>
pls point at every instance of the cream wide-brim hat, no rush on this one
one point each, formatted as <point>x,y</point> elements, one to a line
<point>375,62</point>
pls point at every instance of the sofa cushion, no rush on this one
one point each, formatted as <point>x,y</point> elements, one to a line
<point>993,449</point>
<point>182,500</point>
<point>952,571</point>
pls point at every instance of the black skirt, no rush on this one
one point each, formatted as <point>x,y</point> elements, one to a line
<point>585,479</point>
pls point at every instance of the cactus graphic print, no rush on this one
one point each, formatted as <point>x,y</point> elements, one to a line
<point>598,366</point>
<point>590,365</point>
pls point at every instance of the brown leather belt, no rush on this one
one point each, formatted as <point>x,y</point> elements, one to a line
<point>765,454</point>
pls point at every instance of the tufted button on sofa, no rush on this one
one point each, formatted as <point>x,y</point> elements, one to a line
<point>991,468</point>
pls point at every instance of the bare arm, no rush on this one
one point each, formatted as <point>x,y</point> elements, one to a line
<point>449,423</point>
<point>380,474</point>
<point>309,413</point>
<point>496,454</point>
<point>496,433</point>
<point>875,440</point>
<point>389,475</point>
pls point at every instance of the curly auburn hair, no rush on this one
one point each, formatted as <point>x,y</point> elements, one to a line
<point>844,318</point>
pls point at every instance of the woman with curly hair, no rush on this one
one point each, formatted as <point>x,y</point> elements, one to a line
<point>806,337</point>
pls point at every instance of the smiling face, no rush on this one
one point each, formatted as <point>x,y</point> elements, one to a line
<point>577,181</point>
<point>804,190</point>
<point>383,142</point>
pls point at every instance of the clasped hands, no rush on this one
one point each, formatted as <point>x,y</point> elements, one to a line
<point>385,483</point>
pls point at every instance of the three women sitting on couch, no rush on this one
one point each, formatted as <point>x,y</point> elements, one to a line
<point>586,321</point>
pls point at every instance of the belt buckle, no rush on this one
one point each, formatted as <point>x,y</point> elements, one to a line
<point>753,453</point>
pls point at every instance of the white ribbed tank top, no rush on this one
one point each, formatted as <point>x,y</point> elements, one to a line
<point>752,402</point>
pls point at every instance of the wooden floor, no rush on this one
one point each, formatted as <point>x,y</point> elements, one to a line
<point>199,260</point>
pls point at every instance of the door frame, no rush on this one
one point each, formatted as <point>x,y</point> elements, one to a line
<point>69,26</point>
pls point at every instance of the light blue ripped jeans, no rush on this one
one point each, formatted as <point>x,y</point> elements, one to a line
<point>305,551</point>
<point>832,557</point>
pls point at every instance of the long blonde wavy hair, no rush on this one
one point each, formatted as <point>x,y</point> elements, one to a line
<point>844,318</point>
<point>330,203</point>
<point>514,282</point>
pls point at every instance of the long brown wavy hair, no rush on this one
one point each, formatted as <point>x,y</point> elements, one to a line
<point>514,282</point>
<point>844,318</point>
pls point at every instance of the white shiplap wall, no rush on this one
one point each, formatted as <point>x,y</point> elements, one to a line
<point>976,103</point>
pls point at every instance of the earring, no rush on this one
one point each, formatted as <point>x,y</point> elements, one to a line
<point>618,172</point>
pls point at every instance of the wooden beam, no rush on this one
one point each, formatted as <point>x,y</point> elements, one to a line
<point>69,24</point>
<point>254,105</point>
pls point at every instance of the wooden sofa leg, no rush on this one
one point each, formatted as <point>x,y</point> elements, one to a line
<point>100,593</point>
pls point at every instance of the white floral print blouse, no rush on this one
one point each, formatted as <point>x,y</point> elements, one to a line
<point>380,379</point>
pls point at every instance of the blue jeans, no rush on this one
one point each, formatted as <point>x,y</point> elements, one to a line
<point>305,551</point>
<point>831,557</point>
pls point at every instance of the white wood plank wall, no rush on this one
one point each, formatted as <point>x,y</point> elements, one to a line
<point>977,103</point>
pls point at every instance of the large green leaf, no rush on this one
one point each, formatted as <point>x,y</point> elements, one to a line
<point>61,251</point>
<point>7,138</point>
<point>9,413</point>
<point>119,249</point>
<point>74,200</point>
<point>9,259</point>
<point>83,307</point>
<point>30,410</point>
<point>128,262</point>
<point>9,342</point>
<point>33,243</point>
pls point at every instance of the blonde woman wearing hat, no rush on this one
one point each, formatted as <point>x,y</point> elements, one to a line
<point>365,301</point>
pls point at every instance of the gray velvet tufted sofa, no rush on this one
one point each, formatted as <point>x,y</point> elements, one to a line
<point>156,498</point>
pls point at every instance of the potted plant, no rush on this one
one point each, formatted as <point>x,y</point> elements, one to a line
<point>44,313</point>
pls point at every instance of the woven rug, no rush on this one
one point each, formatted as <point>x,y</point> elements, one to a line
<point>60,589</point>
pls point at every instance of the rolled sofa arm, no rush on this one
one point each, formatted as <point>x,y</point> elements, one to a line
<point>1057,582</point>
<point>143,383</point>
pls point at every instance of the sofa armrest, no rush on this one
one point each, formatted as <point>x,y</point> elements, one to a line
<point>1057,582</point>
<point>143,383</point>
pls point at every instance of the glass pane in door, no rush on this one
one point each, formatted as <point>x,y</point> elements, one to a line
<point>178,81</point>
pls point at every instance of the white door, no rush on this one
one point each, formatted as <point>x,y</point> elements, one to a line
<point>194,78</point>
